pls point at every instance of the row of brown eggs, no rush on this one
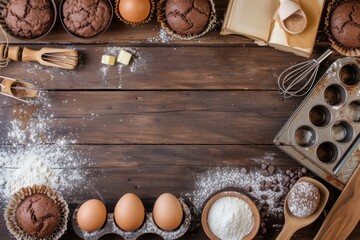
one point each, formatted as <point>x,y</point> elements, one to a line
<point>129,213</point>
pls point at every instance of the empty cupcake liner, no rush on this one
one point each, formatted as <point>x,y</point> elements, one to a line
<point>344,50</point>
<point>4,25</point>
<point>18,197</point>
<point>149,226</point>
<point>161,16</point>
<point>75,35</point>
<point>117,12</point>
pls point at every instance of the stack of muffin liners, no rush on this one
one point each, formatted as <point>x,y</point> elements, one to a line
<point>18,197</point>
<point>149,226</point>
<point>344,50</point>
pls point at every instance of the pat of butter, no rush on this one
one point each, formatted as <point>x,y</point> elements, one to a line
<point>124,57</point>
<point>107,59</point>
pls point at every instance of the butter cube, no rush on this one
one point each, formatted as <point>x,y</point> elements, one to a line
<point>124,57</point>
<point>107,59</point>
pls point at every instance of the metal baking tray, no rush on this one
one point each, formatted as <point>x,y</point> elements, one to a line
<point>323,133</point>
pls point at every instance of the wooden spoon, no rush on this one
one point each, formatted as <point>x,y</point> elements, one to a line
<point>293,223</point>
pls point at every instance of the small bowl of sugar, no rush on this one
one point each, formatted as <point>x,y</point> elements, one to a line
<point>230,215</point>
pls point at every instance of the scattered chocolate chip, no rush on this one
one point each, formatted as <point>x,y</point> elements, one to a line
<point>264,166</point>
<point>303,170</point>
<point>300,174</point>
<point>292,181</point>
<point>266,208</point>
<point>271,169</point>
<point>263,197</point>
<point>269,184</point>
<point>243,170</point>
<point>248,189</point>
<point>291,186</point>
<point>262,188</point>
<point>262,182</point>
<point>265,173</point>
<point>276,189</point>
<point>275,181</point>
<point>292,175</point>
<point>286,190</point>
<point>276,205</point>
<point>287,179</point>
<point>288,171</point>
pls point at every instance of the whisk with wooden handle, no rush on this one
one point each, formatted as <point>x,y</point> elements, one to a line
<point>53,57</point>
<point>297,80</point>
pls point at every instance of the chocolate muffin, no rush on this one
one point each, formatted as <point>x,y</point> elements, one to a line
<point>38,215</point>
<point>28,18</point>
<point>187,16</point>
<point>345,24</point>
<point>86,18</point>
<point>303,199</point>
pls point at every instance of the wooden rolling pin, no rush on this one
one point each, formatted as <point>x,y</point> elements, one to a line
<point>345,214</point>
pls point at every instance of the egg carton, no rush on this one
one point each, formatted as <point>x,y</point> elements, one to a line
<point>149,226</point>
<point>323,133</point>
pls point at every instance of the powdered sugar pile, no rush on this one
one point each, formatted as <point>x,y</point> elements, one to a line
<point>34,155</point>
<point>163,37</point>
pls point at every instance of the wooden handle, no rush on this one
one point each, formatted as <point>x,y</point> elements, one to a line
<point>345,214</point>
<point>287,231</point>
<point>12,52</point>
<point>29,55</point>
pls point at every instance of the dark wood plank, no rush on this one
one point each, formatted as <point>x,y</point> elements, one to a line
<point>167,68</point>
<point>170,117</point>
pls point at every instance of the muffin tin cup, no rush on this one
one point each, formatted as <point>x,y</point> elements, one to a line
<point>324,131</point>
<point>3,24</point>
<point>161,16</point>
<point>344,50</point>
<point>84,38</point>
<point>117,12</point>
<point>18,197</point>
<point>149,226</point>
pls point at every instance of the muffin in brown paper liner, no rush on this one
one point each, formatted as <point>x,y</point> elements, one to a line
<point>341,48</point>
<point>18,197</point>
<point>5,27</point>
<point>117,12</point>
<point>161,16</point>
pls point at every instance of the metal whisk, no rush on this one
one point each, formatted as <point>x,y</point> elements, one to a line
<point>297,80</point>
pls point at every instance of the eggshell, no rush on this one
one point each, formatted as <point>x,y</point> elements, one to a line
<point>91,215</point>
<point>168,212</point>
<point>129,212</point>
<point>134,10</point>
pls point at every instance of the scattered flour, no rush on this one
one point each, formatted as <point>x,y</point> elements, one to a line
<point>163,37</point>
<point>230,218</point>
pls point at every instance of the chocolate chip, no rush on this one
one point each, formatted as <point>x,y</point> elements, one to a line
<point>269,184</point>
<point>280,215</point>
<point>292,181</point>
<point>248,189</point>
<point>300,174</point>
<point>263,230</point>
<point>276,205</point>
<point>243,170</point>
<point>276,189</point>
<point>288,171</point>
<point>291,186</point>
<point>275,181</point>
<point>262,188</point>
<point>287,179</point>
<point>264,166</point>
<point>266,208</point>
<point>303,170</point>
<point>286,190</point>
<point>265,173</point>
<point>271,169</point>
<point>263,197</point>
<point>292,175</point>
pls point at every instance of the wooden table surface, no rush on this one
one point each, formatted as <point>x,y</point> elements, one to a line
<point>187,107</point>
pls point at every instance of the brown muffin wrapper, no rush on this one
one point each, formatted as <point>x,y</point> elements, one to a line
<point>3,24</point>
<point>161,16</point>
<point>342,49</point>
<point>117,12</point>
<point>19,196</point>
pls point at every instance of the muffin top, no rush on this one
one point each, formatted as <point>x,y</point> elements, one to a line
<point>38,215</point>
<point>86,18</point>
<point>303,199</point>
<point>345,24</point>
<point>28,18</point>
<point>187,16</point>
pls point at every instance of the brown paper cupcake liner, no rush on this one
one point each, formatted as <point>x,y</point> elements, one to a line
<point>19,196</point>
<point>344,50</point>
<point>5,27</point>
<point>117,12</point>
<point>161,16</point>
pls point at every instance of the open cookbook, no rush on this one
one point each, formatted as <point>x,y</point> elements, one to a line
<point>258,20</point>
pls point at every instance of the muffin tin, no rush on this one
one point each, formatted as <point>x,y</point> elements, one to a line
<point>148,226</point>
<point>323,133</point>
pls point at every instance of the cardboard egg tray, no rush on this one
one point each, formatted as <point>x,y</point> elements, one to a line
<point>323,133</point>
<point>148,226</point>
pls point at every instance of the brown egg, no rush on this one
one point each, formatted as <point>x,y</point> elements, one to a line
<point>168,212</point>
<point>129,212</point>
<point>134,11</point>
<point>91,215</point>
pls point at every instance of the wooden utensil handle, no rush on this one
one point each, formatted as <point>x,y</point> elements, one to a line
<point>12,52</point>
<point>287,232</point>
<point>29,55</point>
<point>345,213</point>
